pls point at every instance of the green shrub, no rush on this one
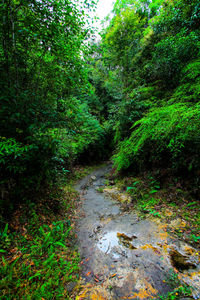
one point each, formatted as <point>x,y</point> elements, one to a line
<point>132,109</point>
<point>168,134</point>
<point>171,54</point>
<point>189,88</point>
<point>42,265</point>
<point>47,152</point>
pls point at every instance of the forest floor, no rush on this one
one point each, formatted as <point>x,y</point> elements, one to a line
<point>136,241</point>
<point>134,249</point>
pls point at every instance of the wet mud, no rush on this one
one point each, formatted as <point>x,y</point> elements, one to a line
<point>124,257</point>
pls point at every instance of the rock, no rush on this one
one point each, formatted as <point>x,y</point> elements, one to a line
<point>125,237</point>
<point>97,228</point>
<point>84,186</point>
<point>117,195</point>
<point>111,182</point>
<point>93,178</point>
<point>182,261</point>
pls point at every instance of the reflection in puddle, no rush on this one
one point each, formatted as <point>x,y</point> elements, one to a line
<point>108,241</point>
<point>125,240</point>
<point>113,239</point>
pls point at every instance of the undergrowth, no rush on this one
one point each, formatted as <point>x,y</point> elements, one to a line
<point>179,289</point>
<point>167,137</point>
<point>38,257</point>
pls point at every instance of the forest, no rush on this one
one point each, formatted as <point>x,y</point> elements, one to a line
<point>70,101</point>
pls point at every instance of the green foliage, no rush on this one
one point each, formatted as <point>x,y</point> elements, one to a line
<point>106,90</point>
<point>84,130</point>
<point>171,55</point>
<point>13,153</point>
<point>195,238</point>
<point>46,122</point>
<point>179,289</point>
<point>5,240</point>
<point>153,48</point>
<point>36,260</point>
<point>143,196</point>
<point>122,37</point>
<point>38,270</point>
<point>132,109</point>
<point>169,133</point>
<point>189,88</point>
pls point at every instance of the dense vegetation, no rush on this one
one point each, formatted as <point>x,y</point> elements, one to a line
<point>151,50</point>
<point>136,90</point>
<point>66,98</point>
<point>45,122</point>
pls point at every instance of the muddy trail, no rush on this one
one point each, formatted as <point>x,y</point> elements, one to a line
<point>124,257</point>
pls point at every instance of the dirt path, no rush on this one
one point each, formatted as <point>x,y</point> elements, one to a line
<point>124,257</point>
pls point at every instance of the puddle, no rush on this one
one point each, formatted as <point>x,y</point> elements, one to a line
<point>126,240</point>
<point>108,241</point>
<point>114,239</point>
<point>107,237</point>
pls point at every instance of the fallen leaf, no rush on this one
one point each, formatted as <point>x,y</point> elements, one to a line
<point>87,259</point>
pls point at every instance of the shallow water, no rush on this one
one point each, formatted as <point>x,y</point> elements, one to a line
<point>124,257</point>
